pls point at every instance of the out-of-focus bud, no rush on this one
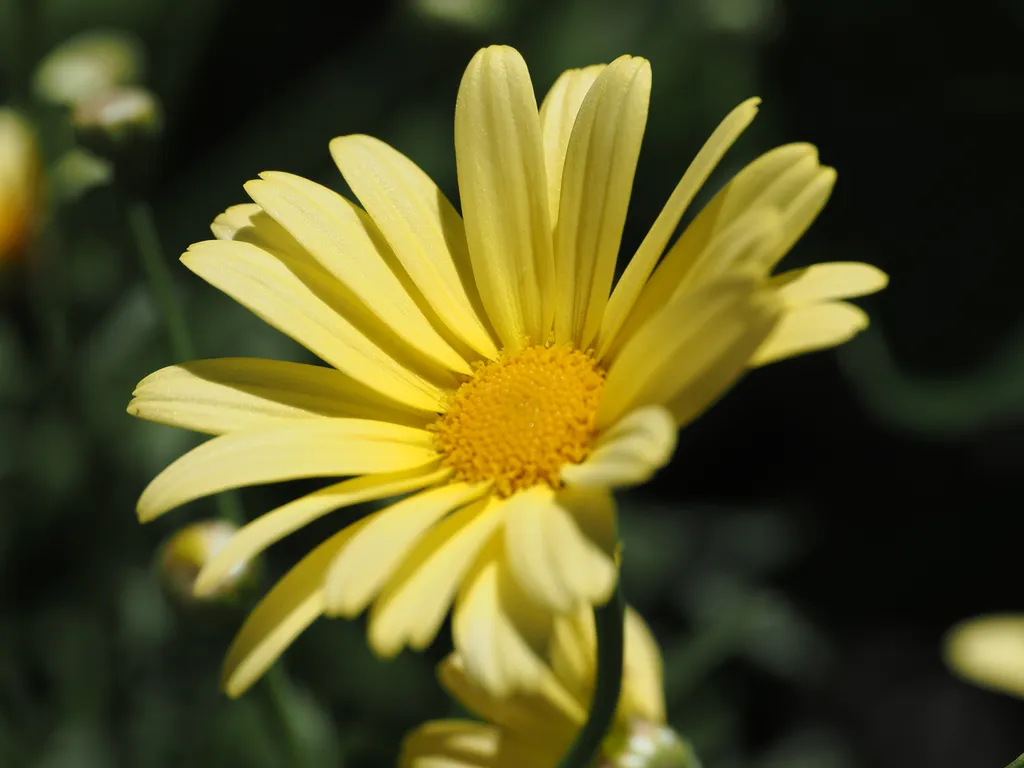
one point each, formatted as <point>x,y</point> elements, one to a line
<point>187,551</point>
<point>646,745</point>
<point>20,184</point>
<point>113,120</point>
<point>78,171</point>
<point>989,651</point>
<point>87,65</point>
<point>469,14</point>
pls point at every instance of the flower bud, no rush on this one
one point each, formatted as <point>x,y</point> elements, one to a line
<point>117,118</point>
<point>87,65</point>
<point>188,550</point>
<point>989,651</point>
<point>20,184</point>
<point>643,744</point>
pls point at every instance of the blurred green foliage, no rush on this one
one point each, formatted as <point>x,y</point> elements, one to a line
<point>99,665</point>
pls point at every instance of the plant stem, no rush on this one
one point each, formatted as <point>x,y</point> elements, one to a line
<point>608,621</point>
<point>1018,763</point>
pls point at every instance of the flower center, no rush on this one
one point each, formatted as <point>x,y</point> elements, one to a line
<point>521,418</point>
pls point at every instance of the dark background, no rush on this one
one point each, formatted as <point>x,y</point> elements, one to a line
<point>818,530</point>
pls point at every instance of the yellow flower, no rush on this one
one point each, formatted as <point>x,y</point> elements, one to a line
<point>989,651</point>
<point>534,730</point>
<point>20,182</point>
<point>483,362</point>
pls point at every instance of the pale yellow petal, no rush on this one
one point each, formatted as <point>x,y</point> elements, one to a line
<point>828,281</point>
<point>809,328</point>
<point>557,115</point>
<point>233,394</point>
<point>234,219</point>
<point>989,651</point>
<point>688,354</point>
<point>345,242</point>
<point>497,629</point>
<point>299,449</point>
<point>550,557</point>
<point>288,295</point>
<point>597,182</point>
<point>422,228</point>
<point>801,213</point>
<point>465,744</point>
<point>629,453</point>
<point>294,603</point>
<point>643,686</point>
<point>361,569</point>
<point>417,597</point>
<point>501,172</point>
<point>633,279</point>
<point>252,539</point>
<point>549,716</point>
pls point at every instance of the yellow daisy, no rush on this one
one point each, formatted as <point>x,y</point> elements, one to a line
<point>20,182</point>
<point>534,730</point>
<point>483,362</point>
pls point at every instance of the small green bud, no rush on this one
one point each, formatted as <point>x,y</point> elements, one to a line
<point>185,553</point>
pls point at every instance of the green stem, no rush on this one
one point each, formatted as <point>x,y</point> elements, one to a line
<point>1018,763</point>
<point>608,620</point>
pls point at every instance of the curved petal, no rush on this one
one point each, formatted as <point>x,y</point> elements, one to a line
<point>550,557</point>
<point>557,115</point>
<point>345,242</point>
<point>550,715</point>
<point>465,744</point>
<point>234,394</point>
<point>294,603</point>
<point>597,182</point>
<point>287,295</point>
<point>691,352</point>
<point>417,597</point>
<point>362,568</point>
<point>308,448</point>
<point>629,453</point>
<point>633,279</point>
<point>643,686</point>
<point>828,281</point>
<point>809,328</point>
<point>498,631</point>
<point>500,162</point>
<point>422,228</point>
<point>252,539</point>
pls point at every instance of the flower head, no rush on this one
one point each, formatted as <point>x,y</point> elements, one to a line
<point>20,183</point>
<point>483,363</point>
<point>534,730</point>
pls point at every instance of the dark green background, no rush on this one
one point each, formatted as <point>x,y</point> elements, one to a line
<point>817,531</point>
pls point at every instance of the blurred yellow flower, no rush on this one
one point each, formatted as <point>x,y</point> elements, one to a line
<point>534,730</point>
<point>483,361</point>
<point>20,183</point>
<point>185,553</point>
<point>989,651</point>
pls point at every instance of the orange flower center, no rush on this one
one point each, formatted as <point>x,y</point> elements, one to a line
<point>521,418</point>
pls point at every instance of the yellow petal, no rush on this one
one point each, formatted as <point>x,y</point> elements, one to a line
<point>801,213</point>
<point>501,183</point>
<point>633,279</point>
<point>989,651</point>
<point>596,185</point>
<point>549,716</point>
<point>345,242</point>
<point>418,596</point>
<point>629,453</point>
<point>828,281</point>
<point>690,352</point>
<point>809,328</point>
<point>465,744</point>
<point>497,629</point>
<point>252,539</point>
<point>557,115</point>
<point>423,229</point>
<point>289,296</point>
<point>236,393</point>
<point>643,687</point>
<point>308,448</point>
<point>361,570</point>
<point>236,218</point>
<point>550,557</point>
<point>294,603</point>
